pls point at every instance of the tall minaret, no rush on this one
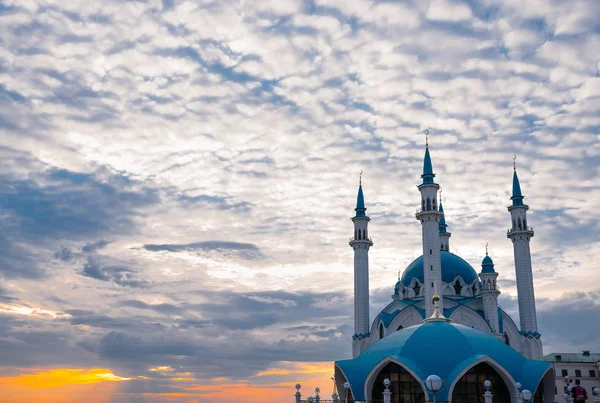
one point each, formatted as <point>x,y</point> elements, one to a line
<point>443,227</point>
<point>430,219</point>
<point>520,234</point>
<point>489,293</point>
<point>361,244</point>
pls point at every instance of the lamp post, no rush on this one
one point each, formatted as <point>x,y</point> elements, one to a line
<point>526,395</point>
<point>487,395</point>
<point>518,387</point>
<point>387,395</point>
<point>347,387</point>
<point>568,394</point>
<point>434,384</point>
<point>596,392</point>
<point>317,397</point>
<point>298,394</point>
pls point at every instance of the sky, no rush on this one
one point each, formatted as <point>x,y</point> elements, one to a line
<point>177,180</point>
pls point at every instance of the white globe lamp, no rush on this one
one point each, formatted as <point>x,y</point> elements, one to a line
<point>526,395</point>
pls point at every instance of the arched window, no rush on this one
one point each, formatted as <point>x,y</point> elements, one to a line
<point>380,331</point>
<point>355,234</point>
<point>469,387</point>
<point>519,223</point>
<point>434,207</point>
<point>400,328</point>
<point>364,234</point>
<point>423,204</point>
<point>428,204</point>
<point>457,287</point>
<point>404,387</point>
<point>514,223</point>
<point>524,223</point>
<point>417,289</point>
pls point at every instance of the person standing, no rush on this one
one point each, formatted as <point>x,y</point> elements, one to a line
<point>578,393</point>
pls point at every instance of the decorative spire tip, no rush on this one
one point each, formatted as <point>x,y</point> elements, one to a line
<point>486,250</point>
<point>426,138</point>
<point>360,178</point>
<point>514,162</point>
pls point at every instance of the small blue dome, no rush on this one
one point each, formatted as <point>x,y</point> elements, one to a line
<point>441,348</point>
<point>452,267</point>
<point>487,265</point>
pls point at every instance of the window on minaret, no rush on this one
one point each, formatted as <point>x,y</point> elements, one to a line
<point>434,207</point>
<point>364,234</point>
<point>525,223</point>
<point>428,204</point>
<point>423,204</point>
<point>457,287</point>
<point>519,223</point>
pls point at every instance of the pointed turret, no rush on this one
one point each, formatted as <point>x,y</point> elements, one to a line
<point>361,244</point>
<point>489,294</point>
<point>360,203</point>
<point>520,234</point>
<point>443,228</point>
<point>428,174</point>
<point>517,196</point>
<point>430,217</point>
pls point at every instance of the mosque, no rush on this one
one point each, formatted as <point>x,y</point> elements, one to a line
<point>460,335</point>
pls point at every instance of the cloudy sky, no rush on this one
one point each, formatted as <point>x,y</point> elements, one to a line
<point>177,178</point>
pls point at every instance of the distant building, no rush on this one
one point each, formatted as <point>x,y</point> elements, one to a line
<point>584,366</point>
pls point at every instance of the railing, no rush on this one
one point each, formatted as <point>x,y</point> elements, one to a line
<point>357,239</point>
<point>510,231</point>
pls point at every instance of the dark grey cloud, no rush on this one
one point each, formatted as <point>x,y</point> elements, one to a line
<point>65,254</point>
<point>243,250</point>
<point>94,246</point>
<point>120,275</point>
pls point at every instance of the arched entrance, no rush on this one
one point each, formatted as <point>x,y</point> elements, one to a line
<point>405,388</point>
<point>469,388</point>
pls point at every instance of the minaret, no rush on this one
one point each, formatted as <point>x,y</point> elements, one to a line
<point>520,234</point>
<point>361,244</point>
<point>430,218</point>
<point>443,227</point>
<point>489,293</point>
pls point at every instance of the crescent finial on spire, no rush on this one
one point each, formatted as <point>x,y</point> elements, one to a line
<point>360,178</point>
<point>427,138</point>
<point>486,250</point>
<point>515,162</point>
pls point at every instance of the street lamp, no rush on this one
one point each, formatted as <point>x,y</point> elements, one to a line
<point>435,384</point>
<point>347,387</point>
<point>526,395</point>
<point>387,395</point>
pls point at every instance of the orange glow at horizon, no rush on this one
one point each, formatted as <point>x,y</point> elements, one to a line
<point>56,378</point>
<point>98,385</point>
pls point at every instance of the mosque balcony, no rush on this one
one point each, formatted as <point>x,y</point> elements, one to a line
<point>368,240</point>
<point>525,230</point>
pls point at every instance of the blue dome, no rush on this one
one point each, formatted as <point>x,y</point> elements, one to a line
<point>487,265</point>
<point>452,267</point>
<point>444,349</point>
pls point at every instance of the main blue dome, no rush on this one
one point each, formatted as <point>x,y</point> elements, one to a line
<point>452,267</point>
<point>444,349</point>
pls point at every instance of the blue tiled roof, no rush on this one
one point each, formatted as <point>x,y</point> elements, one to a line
<point>427,169</point>
<point>444,349</point>
<point>452,267</point>
<point>360,203</point>
<point>517,197</point>
<point>487,265</point>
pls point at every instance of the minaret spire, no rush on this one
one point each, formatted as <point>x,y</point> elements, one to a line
<point>361,244</point>
<point>443,228</point>
<point>520,235</point>
<point>430,218</point>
